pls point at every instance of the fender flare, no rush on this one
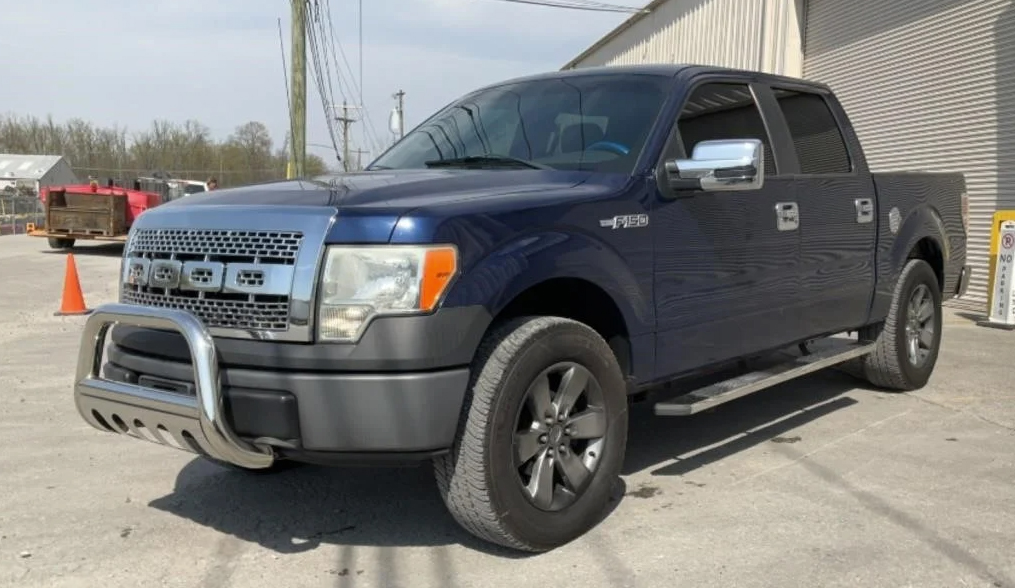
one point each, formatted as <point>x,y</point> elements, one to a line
<point>498,277</point>
<point>922,222</point>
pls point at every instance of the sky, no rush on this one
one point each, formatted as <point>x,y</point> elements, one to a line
<point>128,62</point>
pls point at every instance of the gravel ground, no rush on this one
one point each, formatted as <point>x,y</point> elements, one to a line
<point>819,482</point>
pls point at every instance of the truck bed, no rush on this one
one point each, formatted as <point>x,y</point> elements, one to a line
<point>921,197</point>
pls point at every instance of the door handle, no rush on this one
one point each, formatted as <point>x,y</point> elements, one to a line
<point>787,216</point>
<point>864,210</point>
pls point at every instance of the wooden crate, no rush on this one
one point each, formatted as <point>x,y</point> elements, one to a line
<point>86,213</point>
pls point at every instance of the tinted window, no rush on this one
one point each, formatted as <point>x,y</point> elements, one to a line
<point>723,111</point>
<point>589,122</point>
<point>818,140</point>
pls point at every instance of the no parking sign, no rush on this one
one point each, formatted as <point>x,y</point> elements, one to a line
<point>1002,311</point>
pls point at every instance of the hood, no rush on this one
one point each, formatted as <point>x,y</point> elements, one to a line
<point>370,204</point>
<point>393,191</point>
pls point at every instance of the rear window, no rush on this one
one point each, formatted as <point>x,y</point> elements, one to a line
<point>819,144</point>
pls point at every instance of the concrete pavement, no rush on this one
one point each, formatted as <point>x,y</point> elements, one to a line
<point>819,482</point>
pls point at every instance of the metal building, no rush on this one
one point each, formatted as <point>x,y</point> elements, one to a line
<point>34,171</point>
<point>929,84</point>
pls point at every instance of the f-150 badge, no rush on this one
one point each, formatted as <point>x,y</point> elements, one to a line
<point>625,221</point>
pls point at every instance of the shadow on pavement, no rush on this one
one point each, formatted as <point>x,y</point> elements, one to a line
<point>299,509</point>
<point>733,427</point>
<point>87,249</point>
<point>975,317</point>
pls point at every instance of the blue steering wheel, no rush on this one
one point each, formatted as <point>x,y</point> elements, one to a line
<point>609,146</point>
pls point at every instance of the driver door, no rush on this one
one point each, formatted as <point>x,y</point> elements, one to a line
<point>726,270</point>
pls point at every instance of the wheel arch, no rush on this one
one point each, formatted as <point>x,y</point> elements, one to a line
<point>921,236</point>
<point>572,275</point>
<point>578,299</point>
<point>929,249</point>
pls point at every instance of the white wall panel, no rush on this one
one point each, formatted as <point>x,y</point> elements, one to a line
<point>750,34</point>
<point>928,86</point>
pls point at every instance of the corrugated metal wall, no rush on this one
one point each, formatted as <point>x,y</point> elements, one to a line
<point>751,34</point>
<point>929,85</point>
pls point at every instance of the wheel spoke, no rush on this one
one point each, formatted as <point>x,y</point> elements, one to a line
<point>914,348</point>
<point>925,311</point>
<point>926,337</point>
<point>551,474</point>
<point>540,487</point>
<point>574,471</point>
<point>919,297</point>
<point>589,424</point>
<point>571,386</point>
<point>527,445</point>
<point>539,399</point>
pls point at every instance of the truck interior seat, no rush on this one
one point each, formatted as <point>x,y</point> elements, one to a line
<point>577,137</point>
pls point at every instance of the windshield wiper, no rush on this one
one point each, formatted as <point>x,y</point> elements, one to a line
<point>489,158</point>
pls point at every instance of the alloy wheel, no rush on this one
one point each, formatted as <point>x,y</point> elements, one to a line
<point>920,325</point>
<point>559,435</point>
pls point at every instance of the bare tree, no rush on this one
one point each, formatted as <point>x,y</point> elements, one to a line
<point>184,150</point>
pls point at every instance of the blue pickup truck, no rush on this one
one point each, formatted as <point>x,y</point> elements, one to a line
<point>493,292</point>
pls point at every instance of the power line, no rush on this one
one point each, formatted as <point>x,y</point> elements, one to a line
<point>363,128</point>
<point>578,5</point>
<point>356,88</point>
<point>322,72</point>
<point>285,77</point>
<point>346,121</point>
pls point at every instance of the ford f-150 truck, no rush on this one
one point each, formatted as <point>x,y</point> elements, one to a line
<point>493,291</point>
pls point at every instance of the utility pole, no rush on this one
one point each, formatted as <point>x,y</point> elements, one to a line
<point>298,94</point>
<point>346,121</point>
<point>359,157</point>
<point>400,95</point>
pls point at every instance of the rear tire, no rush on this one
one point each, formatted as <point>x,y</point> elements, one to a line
<point>504,449</point>
<point>910,337</point>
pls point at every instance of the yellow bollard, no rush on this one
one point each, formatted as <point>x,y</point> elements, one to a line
<point>995,235</point>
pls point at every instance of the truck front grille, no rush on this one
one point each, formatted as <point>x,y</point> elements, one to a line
<point>235,246</point>
<point>256,299</point>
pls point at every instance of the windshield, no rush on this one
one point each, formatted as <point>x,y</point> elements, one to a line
<point>588,123</point>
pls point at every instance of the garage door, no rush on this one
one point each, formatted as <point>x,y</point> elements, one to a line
<point>930,85</point>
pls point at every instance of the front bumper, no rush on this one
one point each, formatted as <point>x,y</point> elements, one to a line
<point>195,423</point>
<point>248,416</point>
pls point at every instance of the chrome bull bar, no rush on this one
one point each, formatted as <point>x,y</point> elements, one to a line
<point>191,423</point>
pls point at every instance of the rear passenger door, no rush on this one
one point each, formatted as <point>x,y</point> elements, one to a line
<point>726,274</point>
<point>838,213</point>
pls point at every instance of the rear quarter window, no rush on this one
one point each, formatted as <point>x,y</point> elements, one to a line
<point>819,143</point>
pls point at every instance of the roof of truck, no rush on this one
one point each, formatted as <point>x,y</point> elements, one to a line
<point>657,69</point>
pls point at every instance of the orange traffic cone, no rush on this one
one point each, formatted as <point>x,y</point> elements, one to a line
<point>73,302</point>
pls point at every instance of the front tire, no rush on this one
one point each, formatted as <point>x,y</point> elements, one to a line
<point>542,437</point>
<point>910,337</point>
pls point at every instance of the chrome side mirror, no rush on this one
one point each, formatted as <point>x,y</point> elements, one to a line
<point>722,165</point>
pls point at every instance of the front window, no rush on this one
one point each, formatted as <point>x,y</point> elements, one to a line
<point>588,123</point>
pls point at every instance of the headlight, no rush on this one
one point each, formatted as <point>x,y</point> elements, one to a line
<point>360,283</point>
